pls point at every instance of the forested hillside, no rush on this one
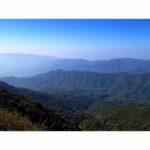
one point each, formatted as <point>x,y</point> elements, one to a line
<point>19,113</point>
<point>120,83</point>
<point>78,110</point>
<point>125,117</point>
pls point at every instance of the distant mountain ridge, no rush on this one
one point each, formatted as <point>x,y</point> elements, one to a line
<point>116,82</point>
<point>24,65</point>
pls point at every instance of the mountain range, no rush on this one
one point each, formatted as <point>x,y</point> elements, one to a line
<point>19,113</point>
<point>72,80</point>
<point>25,65</point>
<point>48,93</point>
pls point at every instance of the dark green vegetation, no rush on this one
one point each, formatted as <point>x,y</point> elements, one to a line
<point>125,117</point>
<point>87,109</point>
<point>18,113</point>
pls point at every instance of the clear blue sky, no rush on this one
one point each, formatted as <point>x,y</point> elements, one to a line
<point>88,39</point>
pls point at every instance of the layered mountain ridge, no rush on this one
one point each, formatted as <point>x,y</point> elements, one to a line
<point>116,82</point>
<point>24,65</point>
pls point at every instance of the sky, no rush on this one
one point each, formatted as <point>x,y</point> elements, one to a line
<point>93,39</point>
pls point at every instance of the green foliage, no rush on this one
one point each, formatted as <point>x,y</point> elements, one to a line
<point>124,117</point>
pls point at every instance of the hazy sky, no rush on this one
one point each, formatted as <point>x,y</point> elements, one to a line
<point>88,39</point>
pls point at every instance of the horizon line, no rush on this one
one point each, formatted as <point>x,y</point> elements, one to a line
<point>56,57</point>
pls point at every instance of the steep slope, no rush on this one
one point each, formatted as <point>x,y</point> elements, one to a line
<point>19,113</point>
<point>120,83</point>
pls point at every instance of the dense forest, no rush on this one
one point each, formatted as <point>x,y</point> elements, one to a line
<point>84,110</point>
